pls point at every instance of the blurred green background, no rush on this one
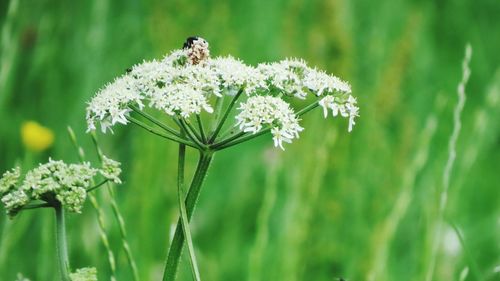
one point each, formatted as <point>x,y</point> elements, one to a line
<point>361,206</point>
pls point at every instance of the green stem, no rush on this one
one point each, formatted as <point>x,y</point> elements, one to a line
<point>97,185</point>
<point>62,247</point>
<point>237,136</point>
<point>155,121</point>
<point>98,210</point>
<point>193,130</point>
<point>36,206</point>
<point>472,264</point>
<point>184,126</point>
<point>119,218</point>
<point>200,126</point>
<point>183,213</point>
<point>175,250</point>
<point>218,110</point>
<point>224,117</point>
<point>152,130</point>
<point>308,108</point>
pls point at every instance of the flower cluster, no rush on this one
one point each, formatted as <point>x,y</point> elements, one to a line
<point>52,182</point>
<point>344,107</point>
<point>183,83</point>
<point>271,111</point>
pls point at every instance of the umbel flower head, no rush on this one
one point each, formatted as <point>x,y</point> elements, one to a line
<point>54,182</point>
<point>187,82</point>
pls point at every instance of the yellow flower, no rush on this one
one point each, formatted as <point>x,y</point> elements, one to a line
<point>36,137</point>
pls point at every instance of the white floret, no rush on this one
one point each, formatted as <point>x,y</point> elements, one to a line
<point>260,111</point>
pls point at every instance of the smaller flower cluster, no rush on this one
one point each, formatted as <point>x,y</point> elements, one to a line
<point>294,78</point>
<point>234,75</point>
<point>111,105</point>
<point>54,181</point>
<point>346,107</point>
<point>258,111</point>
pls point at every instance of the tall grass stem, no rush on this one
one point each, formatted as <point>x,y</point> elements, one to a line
<point>452,154</point>
<point>119,218</point>
<point>98,211</point>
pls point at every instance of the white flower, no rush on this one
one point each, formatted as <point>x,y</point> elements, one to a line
<point>353,111</point>
<point>259,111</point>
<point>235,75</point>
<point>286,76</point>
<point>149,76</point>
<point>176,58</point>
<point>199,77</point>
<point>68,183</point>
<point>110,105</point>
<point>294,78</point>
<point>9,179</point>
<point>321,83</point>
<point>180,99</point>
<point>111,169</point>
<point>72,198</point>
<point>15,199</point>
<point>346,108</point>
<point>183,83</point>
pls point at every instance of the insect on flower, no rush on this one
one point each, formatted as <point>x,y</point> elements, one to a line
<point>189,42</point>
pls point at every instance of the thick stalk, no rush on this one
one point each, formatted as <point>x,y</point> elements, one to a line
<point>177,244</point>
<point>62,247</point>
<point>183,213</point>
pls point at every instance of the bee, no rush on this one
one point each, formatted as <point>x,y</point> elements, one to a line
<point>189,42</point>
<point>196,49</point>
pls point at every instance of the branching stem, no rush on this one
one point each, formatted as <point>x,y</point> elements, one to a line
<point>62,247</point>
<point>155,121</point>
<point>177,244</point>
<point>156,132</point>
<point>224,117</point>
<point>183,214</point>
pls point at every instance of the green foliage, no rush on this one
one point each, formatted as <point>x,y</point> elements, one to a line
<point>333,204</point>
